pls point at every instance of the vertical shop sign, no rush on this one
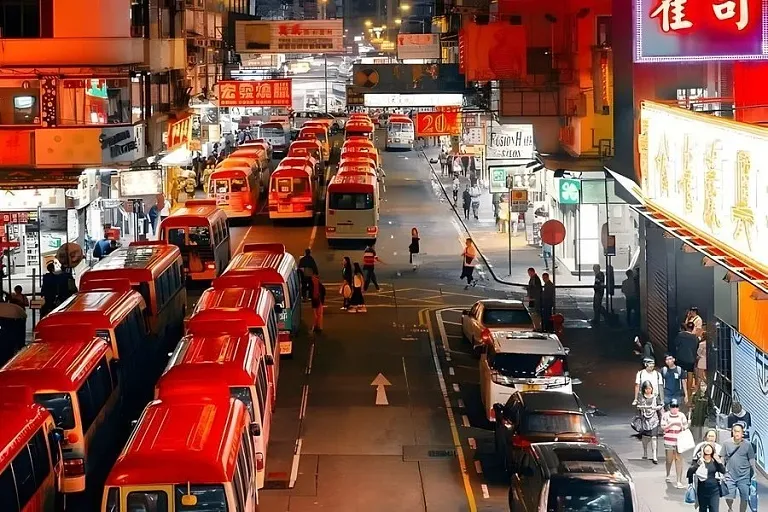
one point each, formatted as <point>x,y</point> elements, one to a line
<point>179,133</point>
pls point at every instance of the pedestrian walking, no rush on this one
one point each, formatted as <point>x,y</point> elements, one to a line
<point>739,459</point>
<point>701,360</point>
<point>673,422</point>
<point>369,266</point>
<point>547,303</point>
<point>318,303</point>
<point>456,185</point>
<point>632,298</point>
<point>647,421</point>
<point>710,437</point>
<point>546,254</point>
<point>466,201</point>
<point>347,275</point>
<point>474,193</point>
<point>49,290</point>
<point>648,374</point>
<point>357,301</point>
<point>443,163</point>
<point>698,323</point>
<point>413,249</point>
<point>674,377</point>
<point>307,268</point>
<point>18,297</point>
<point>468,263</point>
<point>598,293</point>
<point>740,416</point>
<point>703,413</point>
<point>704,478</point>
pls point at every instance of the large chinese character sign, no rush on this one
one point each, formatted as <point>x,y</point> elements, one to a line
<point>680,30</point>
<point>256,93</point>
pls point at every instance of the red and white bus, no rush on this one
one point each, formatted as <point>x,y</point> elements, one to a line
<point>292,192</point>
<point>300,161</point>
<point>352,208</point>
<point>400,132</point>
<point>359,129</point>
<point>235,190</point>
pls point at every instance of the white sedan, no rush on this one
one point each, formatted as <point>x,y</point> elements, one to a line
<point>490,315</point>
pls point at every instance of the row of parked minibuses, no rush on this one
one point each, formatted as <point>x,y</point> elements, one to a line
<point>294,186</point>
<point>239,181</point>
<point>352,200</point>
<point>99,357</point>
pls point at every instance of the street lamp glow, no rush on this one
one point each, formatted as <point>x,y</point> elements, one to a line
<point>405,7</point>
<point>384,27</point>
<point>398,21</point>
<point>368,23</point>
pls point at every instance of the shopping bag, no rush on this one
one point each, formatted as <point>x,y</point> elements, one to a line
<point>690,494</point>
<point>753,494</point>
<point>685,441</point>
<point>636,424</point>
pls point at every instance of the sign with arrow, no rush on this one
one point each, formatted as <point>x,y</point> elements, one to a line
<point>381,393</point>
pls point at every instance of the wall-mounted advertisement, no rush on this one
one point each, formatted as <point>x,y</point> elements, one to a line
<point>255,93</point>
<point>684,30</point>
<point>89,146</point>
<point>750,388</point>
<point>145,182</point>
<point>710,174</point>
<point>305,36</point>
<point>418,46</point>
<point>511,141</point>
<point>411,78</point>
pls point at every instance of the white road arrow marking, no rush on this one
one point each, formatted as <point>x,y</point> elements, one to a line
<point>381,393</point>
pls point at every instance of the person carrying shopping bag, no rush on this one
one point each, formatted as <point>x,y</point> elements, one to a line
<point>646,423</point>
<point>704,478</point>
<point>673,423</point>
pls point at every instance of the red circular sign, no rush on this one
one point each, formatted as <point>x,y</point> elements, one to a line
<point>552,232</point>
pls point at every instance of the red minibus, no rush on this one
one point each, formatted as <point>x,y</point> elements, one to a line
<point>292,193</point>
<point>236,191</point>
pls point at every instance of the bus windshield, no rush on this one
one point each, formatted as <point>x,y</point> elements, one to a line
<point>350,201</point>
<point>272,130</point>
<point>198,235</point>
<point>60,407</point>
<point>400,127</point>
<point>277,292</point>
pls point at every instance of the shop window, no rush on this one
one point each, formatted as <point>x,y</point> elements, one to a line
<point>19,102</point>
<point>137,99</point>
<point>604,31</point>
<point>95,101</point>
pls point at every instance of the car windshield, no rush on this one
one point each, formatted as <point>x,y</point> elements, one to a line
<point>528,366</point>
<point>589,496</point>
<point>493,317</point>
<point>555,423</point>
<point>272,131</point>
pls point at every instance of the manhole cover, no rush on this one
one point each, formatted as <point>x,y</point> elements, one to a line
<point>415,453</point>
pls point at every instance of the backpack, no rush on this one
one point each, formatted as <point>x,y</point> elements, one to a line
<point>677,370</point>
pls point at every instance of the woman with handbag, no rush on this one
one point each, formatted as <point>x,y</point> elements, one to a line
<point>673,423</point>
<point>346,282</point>
<point>646,422</point>
<point>357,301</point>
<point>704,478</point>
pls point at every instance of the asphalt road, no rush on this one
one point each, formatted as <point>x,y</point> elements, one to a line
<point>421,442</point>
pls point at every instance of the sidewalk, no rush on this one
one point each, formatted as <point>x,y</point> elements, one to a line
<point>494,247</point>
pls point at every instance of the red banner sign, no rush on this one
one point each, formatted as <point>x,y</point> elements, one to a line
<point>438,123</point>
<point>257,93</point>
<point>14,217</point>
<point>179,133</point>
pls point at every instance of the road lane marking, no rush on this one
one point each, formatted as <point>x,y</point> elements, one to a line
<point>465,421</point>
<point>460,403</point>
<point>472,443</point>
<point>449,411</point>
<point>478,467</point>
<point>311,357</point>
<point>456,388</point>
<point>451,371</point>
<point>486,494</point>
<point>242,242</point>
<point>381,392</point>
<point>448,357</point>
<point>295,464</point>
<point>304,400</point>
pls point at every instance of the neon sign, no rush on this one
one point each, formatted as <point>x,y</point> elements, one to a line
<point>691,30</point>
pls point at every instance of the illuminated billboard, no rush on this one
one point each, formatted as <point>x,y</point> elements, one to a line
<point>691,30</point>
<point>709,174</point>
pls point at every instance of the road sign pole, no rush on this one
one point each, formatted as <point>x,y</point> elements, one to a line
<point>554,278</point>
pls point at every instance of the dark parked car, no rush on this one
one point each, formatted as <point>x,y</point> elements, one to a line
<point>539,417</point>
<point>572,476</point>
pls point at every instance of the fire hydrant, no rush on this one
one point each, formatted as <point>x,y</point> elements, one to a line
<point>557,323</point>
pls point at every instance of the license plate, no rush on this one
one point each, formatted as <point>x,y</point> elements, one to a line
<point>344,228</point>
<point>286,347</point>
<point>284,208</point>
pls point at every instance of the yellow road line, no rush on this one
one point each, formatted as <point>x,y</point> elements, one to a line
<point>425,318</point>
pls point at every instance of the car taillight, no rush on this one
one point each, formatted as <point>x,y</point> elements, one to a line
<point>372,229</point>
<point>211,266</point>
<point>74,467</point>
<point>492,414</point>
<point>520,442</point>
<point>330,229</point>
<point>590,439</point>
<point>485,336</point>
<point>259,462</point>
<point>249,207</point>
<point>556,369</point>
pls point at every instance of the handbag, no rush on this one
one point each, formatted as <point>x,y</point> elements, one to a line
<point>690,495</point>
<point>637,424</point>
<point>685,441</point>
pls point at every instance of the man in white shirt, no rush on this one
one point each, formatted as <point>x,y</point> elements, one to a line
<point>649,374</point>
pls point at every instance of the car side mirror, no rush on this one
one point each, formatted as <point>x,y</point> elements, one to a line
<point>58,434</point>
<point>465,312</point>
<point>576,382</point>
<point>567,350</point>
<point>254,429</point>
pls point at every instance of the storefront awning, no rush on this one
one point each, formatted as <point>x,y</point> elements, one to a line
<point>179,157</point>
<point>16,179</point>
<point>732,263</point>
